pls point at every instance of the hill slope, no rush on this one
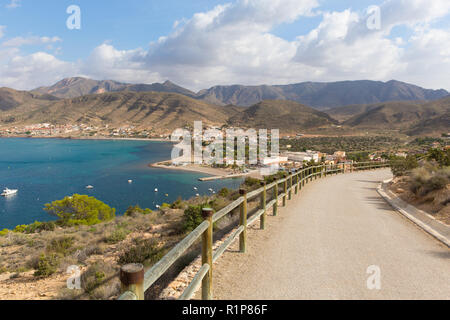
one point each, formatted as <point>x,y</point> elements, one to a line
<point>148,109</point>
<point>395,115</point>
<point>322,95</point>
<point>76,87</point>
<point>13,103</point>
<point>288,116</point>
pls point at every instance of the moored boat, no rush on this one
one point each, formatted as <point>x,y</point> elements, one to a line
<point>9,192</point>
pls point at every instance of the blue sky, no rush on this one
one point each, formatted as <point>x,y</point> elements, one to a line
<point>224,42</point>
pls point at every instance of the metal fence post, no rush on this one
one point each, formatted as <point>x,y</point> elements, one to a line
<point>132,279</point>
<point>243,222</point>
<point>207,254</point>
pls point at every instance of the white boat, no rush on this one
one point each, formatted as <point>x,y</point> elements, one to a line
<point>9,192</point>
<point>197,195</point>
<point>195,188</point>
<point>156,189</point>
<point>89,187</point>
<point>211,190</point>
<point>130,181</point>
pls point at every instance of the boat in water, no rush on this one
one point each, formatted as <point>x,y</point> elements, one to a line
<point>89,187</point>
<point>9,192</point>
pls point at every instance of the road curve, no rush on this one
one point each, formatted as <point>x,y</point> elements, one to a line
<point>321,245</point>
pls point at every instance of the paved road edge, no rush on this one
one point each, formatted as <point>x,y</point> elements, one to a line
<point>407,210</point>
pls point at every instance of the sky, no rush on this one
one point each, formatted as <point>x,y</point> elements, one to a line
<point>201,43</point>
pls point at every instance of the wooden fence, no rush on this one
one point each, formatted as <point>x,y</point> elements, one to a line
<point>135,281</point>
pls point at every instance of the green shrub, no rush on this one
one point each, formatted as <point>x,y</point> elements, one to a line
<point>440,156</point>
<point>117,236</point>
<point>178,204</point>
<point>145,251</point>
<point>166,206</point>
<point>47,265</point>
<point>80,210</point>
<point>193,217</point>
<point>20,228</point>
<point>98,281</point>
<point>133,211</point>
<point>279,175</point>
<point>4,232</point>
<point>37,227</point>
<point>224,192</point>
<point>401,166</point>
<point>252,182</point>
<point>61,246</point>
<point>429,178</point>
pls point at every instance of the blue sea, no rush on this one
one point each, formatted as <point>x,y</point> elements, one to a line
<point>45,170</point>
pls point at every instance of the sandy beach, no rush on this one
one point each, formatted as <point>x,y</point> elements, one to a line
<point>214,173</point>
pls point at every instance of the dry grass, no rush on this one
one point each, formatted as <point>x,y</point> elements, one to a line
<point>427,188</point>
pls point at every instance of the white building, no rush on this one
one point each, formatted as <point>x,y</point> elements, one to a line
<point>302,156</point>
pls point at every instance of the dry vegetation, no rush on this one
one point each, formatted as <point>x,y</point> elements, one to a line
<point>428,188</point>
<point>34,265</point>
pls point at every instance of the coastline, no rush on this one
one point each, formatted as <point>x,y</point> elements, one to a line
<point>87,138</point>
<point>214,173</point>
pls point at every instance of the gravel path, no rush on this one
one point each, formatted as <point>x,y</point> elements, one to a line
<point>321,244</point>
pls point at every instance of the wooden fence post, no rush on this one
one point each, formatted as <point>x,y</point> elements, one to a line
<point>296,181</point>
<point>275,194</point>
<point>132,279</point>
<point>263,206</point>
<point>207,254</point>
<point>303,177</point>
<point>285,192</point>
<point>243,222</point>
<point>290,186</point>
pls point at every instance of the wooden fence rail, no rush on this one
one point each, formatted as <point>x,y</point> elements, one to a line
<point>135,282</point>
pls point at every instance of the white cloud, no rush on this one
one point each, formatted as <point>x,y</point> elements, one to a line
<point>2,31</point>
<point>14,4</point>
<point>106,62</point>
<point>31,40</point>
<point>30,71</point>
<point>233,43</point>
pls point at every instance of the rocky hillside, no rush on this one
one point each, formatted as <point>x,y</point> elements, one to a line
<point>76,87</point>
<point>314,94</point>
<point>288,116</point>
<point>146,109</point>
<point>397,115</point>
<point>322,95</point>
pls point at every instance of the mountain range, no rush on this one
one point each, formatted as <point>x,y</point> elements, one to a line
<point>165,107</point>
<point>314,94</point>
